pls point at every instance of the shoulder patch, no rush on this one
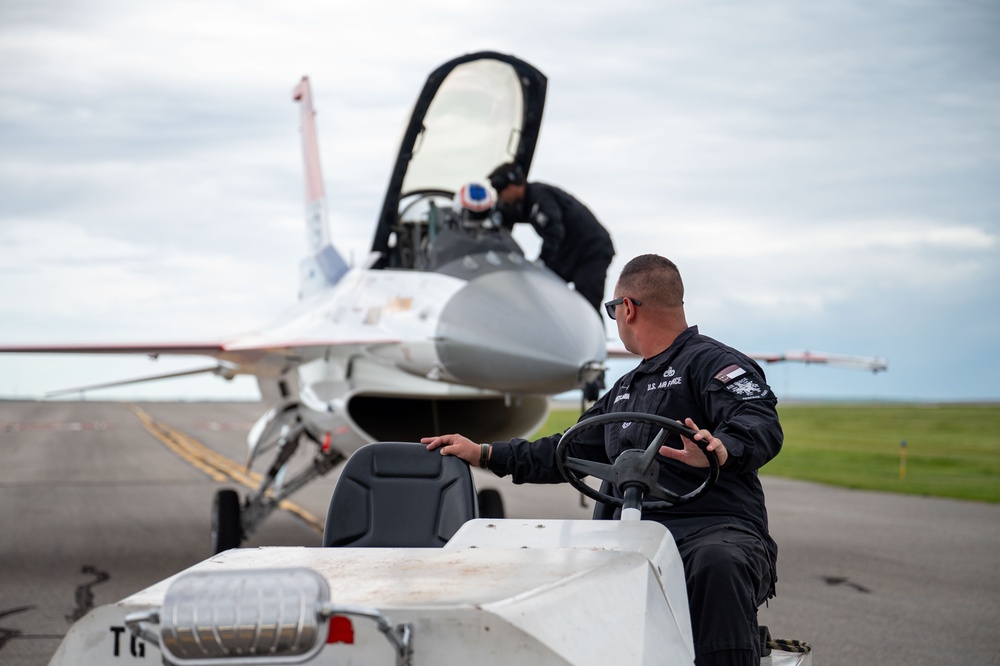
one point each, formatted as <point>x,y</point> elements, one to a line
<point>747,389</point>
<point>730,373</point>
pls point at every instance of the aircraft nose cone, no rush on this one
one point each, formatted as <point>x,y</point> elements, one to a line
<point>519,330</point>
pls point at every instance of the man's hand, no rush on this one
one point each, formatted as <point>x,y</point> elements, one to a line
<point>455,445</point>
<point>691,454</point>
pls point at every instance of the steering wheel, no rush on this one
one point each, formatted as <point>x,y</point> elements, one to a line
<point>634,468</point>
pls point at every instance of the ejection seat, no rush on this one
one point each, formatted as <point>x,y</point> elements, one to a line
<point>399,495</point>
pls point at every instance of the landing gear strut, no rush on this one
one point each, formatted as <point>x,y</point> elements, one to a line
<point>233,522</point>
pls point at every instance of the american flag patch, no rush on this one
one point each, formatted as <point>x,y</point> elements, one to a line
<point>729,374</point>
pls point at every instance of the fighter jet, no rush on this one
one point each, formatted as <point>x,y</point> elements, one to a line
<point>445,327</point>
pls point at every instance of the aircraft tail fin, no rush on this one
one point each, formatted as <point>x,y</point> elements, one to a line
<point>323,266</point>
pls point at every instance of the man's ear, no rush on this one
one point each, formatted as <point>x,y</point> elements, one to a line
<point>630,310</point>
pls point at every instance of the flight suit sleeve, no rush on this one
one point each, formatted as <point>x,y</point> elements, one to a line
<point>535,461</point>
<point>546,217</point>
<point>745,408</point>
<point>509,215</point>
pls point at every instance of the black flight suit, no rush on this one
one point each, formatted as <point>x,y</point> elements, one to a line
<point>724,392</point>
<point>574,244</point>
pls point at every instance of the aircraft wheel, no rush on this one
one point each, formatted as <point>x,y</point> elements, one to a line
<point>490,503</point>
<point>226,532</point>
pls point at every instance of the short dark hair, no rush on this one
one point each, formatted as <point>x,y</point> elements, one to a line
<point>652,278</point>
<point>506,174</point>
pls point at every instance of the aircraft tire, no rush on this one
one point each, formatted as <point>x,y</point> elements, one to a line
<point>490,503</point>
<point>226,532</point>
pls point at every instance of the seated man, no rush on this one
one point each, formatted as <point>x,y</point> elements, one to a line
<point>729,557</point>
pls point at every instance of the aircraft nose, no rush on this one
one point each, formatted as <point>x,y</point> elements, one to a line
<point>519,330</point>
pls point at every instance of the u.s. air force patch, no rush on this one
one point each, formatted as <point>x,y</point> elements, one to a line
<point>740,384</point>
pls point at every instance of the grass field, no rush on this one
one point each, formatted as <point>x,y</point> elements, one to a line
<point>952,450</point>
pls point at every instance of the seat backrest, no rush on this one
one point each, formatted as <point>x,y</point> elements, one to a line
<point>399,494</point>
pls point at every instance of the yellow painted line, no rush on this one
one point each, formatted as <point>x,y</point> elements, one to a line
<point>214,464</point>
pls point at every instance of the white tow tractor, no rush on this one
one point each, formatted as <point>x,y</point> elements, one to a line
<point>508,591</point>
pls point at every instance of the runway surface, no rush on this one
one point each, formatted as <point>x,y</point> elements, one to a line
<point>94,507</point>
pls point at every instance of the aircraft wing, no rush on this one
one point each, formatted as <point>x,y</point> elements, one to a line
<point>150,349</point>
<point>222,369</point>
<point>873,363</point>
<point>262,358</point>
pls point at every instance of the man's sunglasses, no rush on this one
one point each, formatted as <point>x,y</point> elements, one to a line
<point>611,305</point>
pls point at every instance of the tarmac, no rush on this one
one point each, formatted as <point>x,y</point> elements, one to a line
<point>94,507</point>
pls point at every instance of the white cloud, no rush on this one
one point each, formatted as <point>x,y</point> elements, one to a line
<point>826,167</point>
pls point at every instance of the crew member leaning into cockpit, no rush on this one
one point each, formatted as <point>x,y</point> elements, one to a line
<point>574,244</point>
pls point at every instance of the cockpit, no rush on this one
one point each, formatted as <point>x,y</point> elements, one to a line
<point>430,233</point>
<point>475,112</point>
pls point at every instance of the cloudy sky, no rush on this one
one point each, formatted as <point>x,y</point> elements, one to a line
<point>826,174</point>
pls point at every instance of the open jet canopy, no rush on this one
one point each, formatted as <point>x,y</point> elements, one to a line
<point>474,112</point>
